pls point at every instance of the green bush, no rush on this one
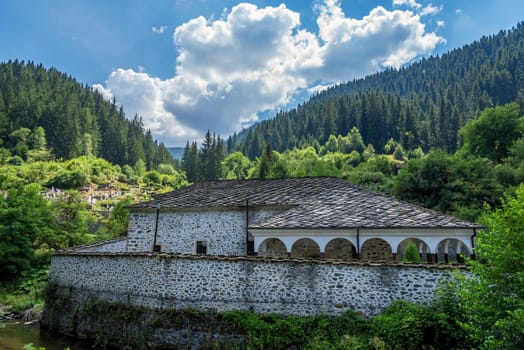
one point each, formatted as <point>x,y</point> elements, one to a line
<point>402,326</point>
<point>411,254</point>
<point>69,179</point>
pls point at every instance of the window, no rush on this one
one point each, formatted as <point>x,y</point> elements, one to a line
<point>201,247</point>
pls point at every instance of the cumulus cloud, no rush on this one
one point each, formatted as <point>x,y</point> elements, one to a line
<point>159,30</point>
<point>256,59</point>
<point>410,3</point>
<point>356,47</point>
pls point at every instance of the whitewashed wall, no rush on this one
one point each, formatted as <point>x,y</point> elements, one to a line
<point>223,230</point>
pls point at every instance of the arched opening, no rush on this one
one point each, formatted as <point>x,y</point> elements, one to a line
<point>272,248</point>
<point>305,248</point>
<point>376,249</point>
<point>423,249</point>
<point>340,249</point>
<point>452,250</point>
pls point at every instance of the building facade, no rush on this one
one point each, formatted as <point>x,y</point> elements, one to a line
<point>322,217</point>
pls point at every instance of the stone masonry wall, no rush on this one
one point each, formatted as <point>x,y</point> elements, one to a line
<point>223,230</point>
<point>224,283</point>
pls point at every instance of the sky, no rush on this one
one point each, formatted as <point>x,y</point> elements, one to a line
<point>187,66</point>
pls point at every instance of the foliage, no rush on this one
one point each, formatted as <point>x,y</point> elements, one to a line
<point>206,163</point>
<point>26,224</point>
<point>236,166</point>
<point>398,154</point>
<point>285,332</point>
<point>30,346</point>
<point>32,226</point>
<point>493,133</point>
<point>116,225</point>
<point>449,183</point>
<point>402,325</point>
<point>411,254</point>
<point>493,299</point>
<point>47,111</point>
<point>73,220</point>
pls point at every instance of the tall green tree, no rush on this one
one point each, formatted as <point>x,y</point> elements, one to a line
<point>450,184</point>
<point>493,133</point>
<point>26,224</point>
<point>190,162</point>
<point>493,299</point>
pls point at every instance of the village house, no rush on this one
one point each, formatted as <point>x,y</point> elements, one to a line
<point>320,218</point>
<point>297,246</point>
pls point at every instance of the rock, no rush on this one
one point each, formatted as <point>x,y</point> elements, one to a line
<point>32,315</point>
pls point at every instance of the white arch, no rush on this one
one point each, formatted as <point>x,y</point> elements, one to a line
<point>393,241</point>
<point>297,249</point>
<point>321,241</point>
<point>422,245</point>
<point>351,250</point>
<point>461,245</point>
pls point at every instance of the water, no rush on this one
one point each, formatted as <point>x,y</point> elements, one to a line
<point>13,336</point>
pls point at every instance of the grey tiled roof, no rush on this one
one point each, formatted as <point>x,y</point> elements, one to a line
<point>309,202</point>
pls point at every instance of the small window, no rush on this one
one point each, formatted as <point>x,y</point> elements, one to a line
<point>201,247</point>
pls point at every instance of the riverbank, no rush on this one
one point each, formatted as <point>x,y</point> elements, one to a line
<point>14,335</point>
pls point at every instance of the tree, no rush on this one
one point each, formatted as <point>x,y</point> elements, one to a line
<point>236,166</point>
<point>355,140</point>
<point>449,183</point>
<point>411,254</point>
<point>116,224</point>
<point>37,139</point>
<point>270,166</point>
<point>190,162</point>
<point>493,299</point>
<point>73,221</point>
<point>26,224</point>
<point>493,133</point>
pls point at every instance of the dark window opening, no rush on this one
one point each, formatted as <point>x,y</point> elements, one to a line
<point>250,247</point>
<point>201,247</point>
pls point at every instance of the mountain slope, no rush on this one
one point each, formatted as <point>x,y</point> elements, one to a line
<point>423,105</point>
<point>77,120</point>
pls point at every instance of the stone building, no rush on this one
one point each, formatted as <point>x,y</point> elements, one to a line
<point>301,246</point>
<point>321,217</point>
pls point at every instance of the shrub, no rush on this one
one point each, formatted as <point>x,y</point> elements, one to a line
<point>411,254</point>
<point>402,325</point>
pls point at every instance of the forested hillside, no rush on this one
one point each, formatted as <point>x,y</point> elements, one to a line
<point>423,105</point>
<point>75,120</point>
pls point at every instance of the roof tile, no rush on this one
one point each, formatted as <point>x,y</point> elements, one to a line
<point>316,202</point>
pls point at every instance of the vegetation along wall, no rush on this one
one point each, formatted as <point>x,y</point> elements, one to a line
<point>285,286</point>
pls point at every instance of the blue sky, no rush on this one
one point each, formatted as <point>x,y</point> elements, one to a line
<point>191,65</point>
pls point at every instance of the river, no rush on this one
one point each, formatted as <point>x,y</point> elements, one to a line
<point>13,336</point>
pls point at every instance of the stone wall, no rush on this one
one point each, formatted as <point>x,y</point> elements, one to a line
<point>284,286</point>
<point>224,231</point>
<point>376,249</point>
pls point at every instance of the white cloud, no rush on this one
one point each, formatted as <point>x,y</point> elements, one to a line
<point>430,10</point>
<point>256,59</point>
<point>441,23</point>
<point>410,3</point>
<point>356,47</point>
<point>159,30</point>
